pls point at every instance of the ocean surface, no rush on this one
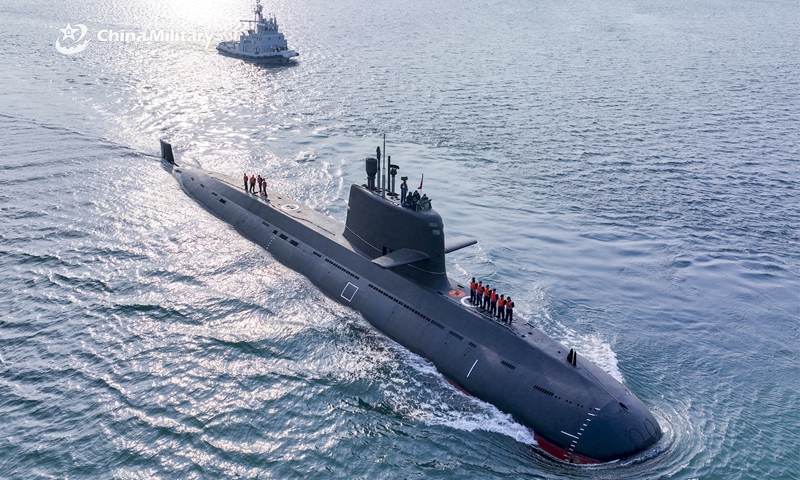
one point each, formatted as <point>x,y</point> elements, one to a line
<point>630,168</point>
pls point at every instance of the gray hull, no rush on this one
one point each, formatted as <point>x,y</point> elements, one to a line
<point>578,412</point>
<point>264,59</point>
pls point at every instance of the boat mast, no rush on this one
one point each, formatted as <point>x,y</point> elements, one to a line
<point>383,170</point>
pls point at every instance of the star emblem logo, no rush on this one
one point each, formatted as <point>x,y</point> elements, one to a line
<point>68,32</point>
<point>74,45</point>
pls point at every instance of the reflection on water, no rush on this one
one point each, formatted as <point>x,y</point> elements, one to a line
<point>628,170</point>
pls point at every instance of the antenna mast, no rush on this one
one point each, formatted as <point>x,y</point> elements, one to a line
<point>383,170</point>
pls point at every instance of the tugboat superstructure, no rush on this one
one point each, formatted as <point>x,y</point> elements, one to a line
<point>264,43</point>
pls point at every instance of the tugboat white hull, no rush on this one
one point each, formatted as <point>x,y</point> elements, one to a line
<point>229,49</point>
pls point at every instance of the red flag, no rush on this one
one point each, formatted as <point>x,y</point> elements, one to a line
<point>420,181</point>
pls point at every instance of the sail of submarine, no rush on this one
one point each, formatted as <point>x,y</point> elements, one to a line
<point>388,263</point>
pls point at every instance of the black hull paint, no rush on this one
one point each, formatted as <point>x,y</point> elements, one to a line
<point>579,413</point>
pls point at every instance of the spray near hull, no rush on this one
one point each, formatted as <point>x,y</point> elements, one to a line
<point>578,412</point>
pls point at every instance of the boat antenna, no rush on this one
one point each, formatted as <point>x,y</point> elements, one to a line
<point>383,170</point>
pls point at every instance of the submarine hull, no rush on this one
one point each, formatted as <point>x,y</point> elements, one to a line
<point>577,411</point>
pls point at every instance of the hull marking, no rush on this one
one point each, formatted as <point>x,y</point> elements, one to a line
<point>349,292</point>
<point>473,366</point>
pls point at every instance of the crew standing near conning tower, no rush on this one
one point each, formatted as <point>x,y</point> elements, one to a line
<point>473,287</point>
<point>404,193</point>
<point>486,298</point>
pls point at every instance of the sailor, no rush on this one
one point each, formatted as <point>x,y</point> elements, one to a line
<point>264,186</point>
<point>245,182</point>
<point>501,308</point>
<point>403,192</point>
<point>487,294</point>
<point>509,310</point>
<point>416,196</point>
<point>493,302</point>
<point>410,202</point>
<point>252,183</point>
<point>258,179</point>
<point>479,294</point>
<point>473,287</point>
<point>425,202</point>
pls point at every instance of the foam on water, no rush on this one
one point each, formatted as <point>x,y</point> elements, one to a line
<point>630,171</point>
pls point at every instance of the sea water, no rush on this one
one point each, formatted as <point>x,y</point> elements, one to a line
<point>630,169</point>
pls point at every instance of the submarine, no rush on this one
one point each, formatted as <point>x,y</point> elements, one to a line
<point>387,261</point>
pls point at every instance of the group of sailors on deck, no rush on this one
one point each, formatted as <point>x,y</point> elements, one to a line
<point>253,180</point>
<point>486,298</point>
<point>413,201</point>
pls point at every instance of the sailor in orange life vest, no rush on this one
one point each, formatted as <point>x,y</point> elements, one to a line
<point>472,288</point>
<point>245,182</point>
<point>258,180</point>
<point>509,310</point>
<point>501,308</point>
<point>479,294</point>
<point>252,183</point>
<point>264,186</point>
<point>493,302</point>
<point>487,294</point>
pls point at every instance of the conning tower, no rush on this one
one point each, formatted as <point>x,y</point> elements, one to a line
<point>409,239</point>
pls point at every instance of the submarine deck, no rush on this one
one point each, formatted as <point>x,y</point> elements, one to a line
<point>568,390</point>
<point>332,228</point>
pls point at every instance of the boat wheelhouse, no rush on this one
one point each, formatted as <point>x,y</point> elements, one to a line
<point>264,43</point>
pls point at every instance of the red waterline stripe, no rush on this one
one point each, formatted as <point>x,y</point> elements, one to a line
<point>562,454</point>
